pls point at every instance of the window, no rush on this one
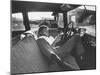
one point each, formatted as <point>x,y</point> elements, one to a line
<point>60,20</point>
<point>17,22</point>
<point>37,18</point>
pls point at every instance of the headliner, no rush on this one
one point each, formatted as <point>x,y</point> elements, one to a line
<point>19,6</point>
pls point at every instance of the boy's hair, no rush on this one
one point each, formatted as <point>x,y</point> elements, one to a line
<point>41,30</point>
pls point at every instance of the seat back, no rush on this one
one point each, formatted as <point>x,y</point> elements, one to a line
<point>63,63</point>
<point>73,44</point>
<point>50,55</point>
<point>45,47</point>
<point>27,58</point>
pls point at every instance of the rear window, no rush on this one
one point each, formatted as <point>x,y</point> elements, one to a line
<point>38,18</point>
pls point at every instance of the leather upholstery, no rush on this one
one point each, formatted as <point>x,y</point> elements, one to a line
<point>27,58</point>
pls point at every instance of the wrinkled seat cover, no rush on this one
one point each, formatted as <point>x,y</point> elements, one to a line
<point>63,52</point>
<point>27,58</point>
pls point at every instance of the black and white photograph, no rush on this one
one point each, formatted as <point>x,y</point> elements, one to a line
<point>52,37</point>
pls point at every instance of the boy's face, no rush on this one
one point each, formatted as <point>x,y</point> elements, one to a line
<point>46,32</point>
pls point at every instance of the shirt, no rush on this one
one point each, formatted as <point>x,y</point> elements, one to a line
<point>49,39</point>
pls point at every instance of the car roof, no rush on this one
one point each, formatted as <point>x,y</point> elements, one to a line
<point>20,6</point>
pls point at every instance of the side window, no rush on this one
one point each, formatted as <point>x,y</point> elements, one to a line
<point>17,22</point>
<point>60,21</point>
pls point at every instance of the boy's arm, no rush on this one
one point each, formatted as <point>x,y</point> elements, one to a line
<point>57,39</point>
